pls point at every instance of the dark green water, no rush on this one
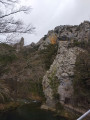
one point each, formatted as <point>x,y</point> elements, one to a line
<point>29,112</point>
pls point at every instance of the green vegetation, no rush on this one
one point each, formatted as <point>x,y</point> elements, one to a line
<point>6,46</point>
<point>49,54</point>
<point>4,93</point>
<point>36,87</point>
<point>7,54</point>
<point>59,107</point>
<point>30,88</point>
<point>28,70</point>
<point>27,51</point>
<point>54,83</point>
<point>81,82</point>
<point>81,44</point>
<point>8,58</point>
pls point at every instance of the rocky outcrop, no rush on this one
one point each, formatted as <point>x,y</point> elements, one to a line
<point>23,68</point>
<point>63,69</point>
<point>50,38</point>
<point>20,45</point>
<point>32,45</point>
<point>71,33</point>
<point>59,78</point>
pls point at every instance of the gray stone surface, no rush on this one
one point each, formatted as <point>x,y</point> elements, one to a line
<point>63,66</point>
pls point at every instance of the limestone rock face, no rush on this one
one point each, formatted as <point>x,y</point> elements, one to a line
<point>50,38</point>
<point>77,32</point>
<point>63,69</point>
<point>64,63</point>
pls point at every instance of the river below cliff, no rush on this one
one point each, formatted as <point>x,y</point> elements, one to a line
<point>30,111</point>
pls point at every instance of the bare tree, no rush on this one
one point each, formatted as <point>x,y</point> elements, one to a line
<point>8,23</point>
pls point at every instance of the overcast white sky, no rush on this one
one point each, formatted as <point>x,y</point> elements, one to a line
<point>47,14</point>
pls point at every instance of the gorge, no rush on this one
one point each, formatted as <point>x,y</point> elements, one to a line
<point>55,71</point>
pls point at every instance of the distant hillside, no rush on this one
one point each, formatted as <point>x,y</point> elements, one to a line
<point>21,73</point>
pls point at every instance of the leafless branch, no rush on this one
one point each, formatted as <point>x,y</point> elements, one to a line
<point>8,24</point>
<point>12,26</point>
<point>8,2</point>
<point>22,9</point>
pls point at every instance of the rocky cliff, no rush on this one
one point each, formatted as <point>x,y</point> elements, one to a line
<point>66,32</point>
<point>58,80</point>
<point>61,73</point>
<point>50,64</point>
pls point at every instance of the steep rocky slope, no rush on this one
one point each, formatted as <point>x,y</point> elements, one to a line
<point>61,73</point>
<point>58,80</point>
<point>49,64</point>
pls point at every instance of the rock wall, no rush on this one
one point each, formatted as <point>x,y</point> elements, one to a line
<point>62,69</point>
<point>50,38</point>
<point>58,79</point>
<point>77,32</point>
